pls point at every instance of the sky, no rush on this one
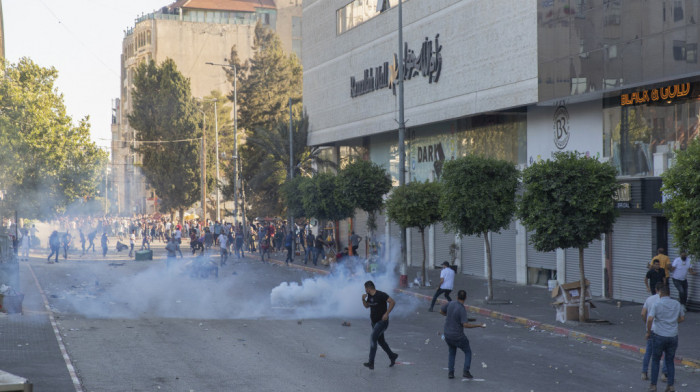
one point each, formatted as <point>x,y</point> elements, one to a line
<point>82,39</point>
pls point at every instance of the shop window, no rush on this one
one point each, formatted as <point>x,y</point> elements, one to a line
<point>691,53</point>
<point>679,50</point>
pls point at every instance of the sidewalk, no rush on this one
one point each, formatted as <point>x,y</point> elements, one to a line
<point>531,306</point>
<point>28,344</point>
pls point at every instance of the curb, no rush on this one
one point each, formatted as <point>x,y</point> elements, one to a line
<point>679,360</point>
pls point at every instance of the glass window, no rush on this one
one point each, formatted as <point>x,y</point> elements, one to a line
<point>643,140</point>
<point>358,12</point>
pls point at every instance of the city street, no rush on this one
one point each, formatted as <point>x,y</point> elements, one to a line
<point>134,326</point>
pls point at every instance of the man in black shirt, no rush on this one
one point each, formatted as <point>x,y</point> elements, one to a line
<point>654,275</point>
<point>379,315</point>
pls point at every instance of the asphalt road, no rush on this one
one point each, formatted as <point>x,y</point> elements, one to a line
<point>135,326</point>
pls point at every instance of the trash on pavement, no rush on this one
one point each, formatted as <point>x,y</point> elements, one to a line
<point>566,301</point>
<point>345,324</point>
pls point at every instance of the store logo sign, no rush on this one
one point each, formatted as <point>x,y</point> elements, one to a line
<point>657,94</point>
<point>427,63</point>
<point>561,127</point>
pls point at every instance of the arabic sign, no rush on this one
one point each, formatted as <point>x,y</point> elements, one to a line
<point>427,63</point>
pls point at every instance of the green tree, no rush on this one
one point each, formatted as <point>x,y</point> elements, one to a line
<point>323,200</point>
<point>681,186</point>
<point>415,205</point>
<point>568,202</point>
<point>365,183</point>
<point>164,110</point>
<point>293,196</point>
<point>265,84</point>
<point>479,197</point>
<point>220,113</point>
<point>47,161</point>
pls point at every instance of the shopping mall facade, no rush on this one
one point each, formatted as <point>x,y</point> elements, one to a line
<point>516,80</point>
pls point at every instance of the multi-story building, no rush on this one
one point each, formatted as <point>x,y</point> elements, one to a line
<point>517,80</point>
<point>192,33</point>
<point>2,34</point>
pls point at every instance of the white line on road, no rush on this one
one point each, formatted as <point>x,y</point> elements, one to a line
<point>59,339</point>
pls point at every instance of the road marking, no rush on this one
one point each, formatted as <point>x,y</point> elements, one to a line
<point>59,339</point>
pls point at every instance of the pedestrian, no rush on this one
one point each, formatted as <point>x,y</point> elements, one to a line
<point>239,242</point>
<point>82,240</point>
<point>66,244</point>
<point>455,322</point>
<point>288,242</point>
<point>648,304</point>
<point>132,241</point>
<point>55,245</point>
<point>223,246</point>
<point>32,233</point>
<point>662,328</point>
<point>680,269</point>
<point>91,240</point>
<point>309,251</point>
<point>177,235</point>
<point>146,242</point>
<point>447,281</point>
<point>318,249</point>
<point>104,241</point>
<point>664,262</point>
<point>379,316</point>
<point>171,248</point>
<point>355,241</point>
<point>653,276</point>
<point>265,247</point>
<point>25,243</point>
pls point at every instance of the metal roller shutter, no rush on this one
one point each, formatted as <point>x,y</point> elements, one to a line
<point>344,233</point>
<point>360,227</point>
<point>631,251</point>
<point>592,264</point>
<point>417,248</point>
<point>473,255</point>
<point>693,281</point>
<point>443,241</point>
<point>503,254</point>
<point>535,259</point>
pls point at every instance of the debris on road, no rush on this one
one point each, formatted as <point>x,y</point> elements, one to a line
<point>427,341</point>
<point>345,324</point>
<point>322,355</point>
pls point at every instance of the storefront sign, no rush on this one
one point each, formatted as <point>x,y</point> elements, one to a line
<point>428,63</point>
<point>623,195</point>
<point>657,94</point>
<point>561,127</point>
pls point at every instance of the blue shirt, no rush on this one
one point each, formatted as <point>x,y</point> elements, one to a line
<point>456,317</point>
<point>665,313</point>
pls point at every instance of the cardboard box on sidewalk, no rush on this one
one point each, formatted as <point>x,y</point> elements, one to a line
<point>566,301</point>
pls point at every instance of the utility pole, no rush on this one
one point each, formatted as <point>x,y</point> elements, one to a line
<point>403,278</point>
<point>203,180</point>
<point>218,179</point>
<point>291,175</point>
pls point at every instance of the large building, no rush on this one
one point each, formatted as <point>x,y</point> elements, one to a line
<point>192,33</point>
<point>2,34</point>
<point>517,80</point>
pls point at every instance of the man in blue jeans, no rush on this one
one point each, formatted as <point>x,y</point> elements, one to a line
<point>379,315</point>
<point>455,338</point>
<point>648,304</point>
<point>662,328</point>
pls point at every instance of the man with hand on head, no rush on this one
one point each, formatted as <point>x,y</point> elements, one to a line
<point>454,333</point>
<point>379,315</point>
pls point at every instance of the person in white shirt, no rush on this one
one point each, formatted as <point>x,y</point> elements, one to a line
<point>25,242</point>
<point>447,282</point>
<point>680,269</point>
<point>224,249</point>
<point>132,241</point>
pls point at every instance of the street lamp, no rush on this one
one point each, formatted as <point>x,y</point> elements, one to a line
<point>235,139</point>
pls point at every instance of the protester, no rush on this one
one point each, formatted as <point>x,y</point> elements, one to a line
<point>104,241</point>
<point>223,246</point>
<point>680,269</point>
<point>447,281</point>
<point>648,304</point>
<point>288,244</point>
<point>25,244</point>
<point>455,338</point>
<point>653,276</point>
<point>355,241</point>
<point>662,328</point>
<point>664,262</point>
<point>67,239</point>
<point>379,316</point>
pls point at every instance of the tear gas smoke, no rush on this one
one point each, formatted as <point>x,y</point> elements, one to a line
<point>96,291</point>
<point>339,294</point>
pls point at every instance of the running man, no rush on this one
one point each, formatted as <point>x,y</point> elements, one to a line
<point>379,315</point>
